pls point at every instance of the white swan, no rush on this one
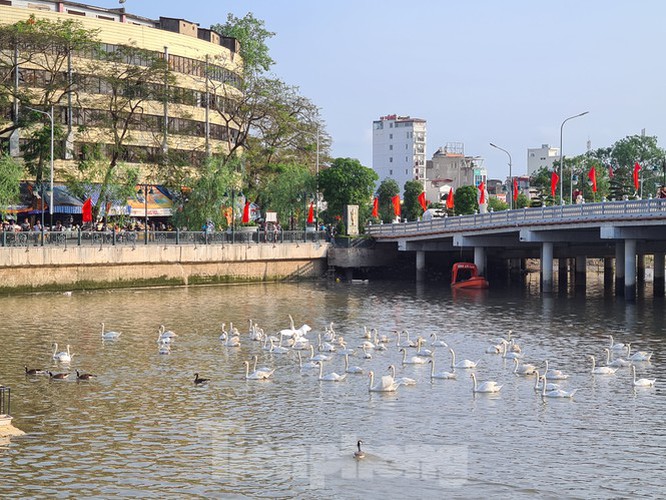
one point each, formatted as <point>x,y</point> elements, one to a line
<point>642,382</point>
<point>524,369</point>
<point>166,333</point>
<point>601,370</point>
<point>441,375</point>
<point>367,334</point>
<point>330,377</point>
<point>509,355</point>
<point>638,355</point>
<point>110,335</point>
<point>307,367</point>
<point>465,363</point>
<point>254,366</point>
<point>318,357</point>
<point>400,380</point>
<point>406,343</point>
<point>617,346</point>
<point>486,386</point>
<point>351,369</point>
<point>224,335</point>
<point>257,374</point>
<point>62,356</point>
<point>386,384</point>
<point>345,349</point>
<point>414,360</point>
<point>554,374</point>
<point>420,351</point>
<point>538,385</point>
<point>436,342</point>
<point>617,362</point>
<point>277,349</point>
<point>495,349</point>
<point>555,393</point>
<point>232,341</point>
<point>366,353</point>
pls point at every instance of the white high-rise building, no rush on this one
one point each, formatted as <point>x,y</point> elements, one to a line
<point>545,156</point>
<point>399,148</point>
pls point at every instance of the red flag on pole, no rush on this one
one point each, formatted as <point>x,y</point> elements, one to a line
<point>482,193</point>
<point>637,167</point>
<point>375,207</point>
<point>554,179</point>
<point>422,201</point>
<point>450,201</point>
<point>610,171</point>
<point>515,189</point>
<point>311,213</point>
<point>86,210</point>
<point>246,213</point>
<point>396,205</point>
<point>592,174</point>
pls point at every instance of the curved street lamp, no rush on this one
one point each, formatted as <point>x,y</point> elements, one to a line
<point>50,115</point>
<point>510,176</point>
<point>561,155</point>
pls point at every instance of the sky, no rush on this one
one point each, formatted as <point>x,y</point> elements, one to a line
<point>479,71</point>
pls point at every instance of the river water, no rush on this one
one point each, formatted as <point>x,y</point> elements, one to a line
<point>142,428</point>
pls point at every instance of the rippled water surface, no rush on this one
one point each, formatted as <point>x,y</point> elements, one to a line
<point>142,428</point>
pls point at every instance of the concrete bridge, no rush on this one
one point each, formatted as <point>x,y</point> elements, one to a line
<point>619,231</point>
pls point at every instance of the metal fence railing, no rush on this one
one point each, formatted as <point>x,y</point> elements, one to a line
<point>638,210</point>
<point>164,238</point>
<point>5,401</point>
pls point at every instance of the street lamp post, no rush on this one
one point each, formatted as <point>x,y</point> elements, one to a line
<point>510,175</point>
<point>50,115</point>
<point>144,191</point>
<point>561,155</point>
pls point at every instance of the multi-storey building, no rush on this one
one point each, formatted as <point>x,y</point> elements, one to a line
<point>399,148</point>
<point>450,168</point>
<point>204,68</point>
<point>537,158</point>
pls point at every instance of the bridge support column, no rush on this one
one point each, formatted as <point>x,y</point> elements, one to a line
<point>420,265</point>
<point>630,270</point>
<point>658,285</point>
<point>608,274</point>
<point>580,279</point>
<point>562,275</point>
<point>480,260</point>
<point>547,267</point>
<point>619,268</point>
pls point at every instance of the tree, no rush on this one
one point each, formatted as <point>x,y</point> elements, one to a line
<point>289,193</point>
<point>465,200</point>
<point>385,192</point>
<point>522,201</point>
<point>412,209</point>
<point>10,178</point>
<point>497,205</point>
<point>644,150</point>
<point>251,35</point>
<point>347,182</point>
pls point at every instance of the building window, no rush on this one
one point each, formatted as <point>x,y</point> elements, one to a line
<point>390,136</point>
<point>390,125</point>
<point>391,159</point>
<point>390,172</point>
<point>390,147</point>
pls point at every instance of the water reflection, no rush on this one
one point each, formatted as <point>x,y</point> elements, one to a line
<point>142,427</point>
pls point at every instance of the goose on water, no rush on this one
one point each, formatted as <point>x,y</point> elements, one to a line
<point>359,453</point>
<point>84,376</point>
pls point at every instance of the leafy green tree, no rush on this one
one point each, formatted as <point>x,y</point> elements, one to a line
<point>496,204</point>
<point>644,150</point>
<point>252,36</point>
<point>522,201</point>
<point>465,200</point>
<point>411,209</point>
<point>385,192</point>
<point>347,182</point>
<point>10,177</point>
<point>290,194</point>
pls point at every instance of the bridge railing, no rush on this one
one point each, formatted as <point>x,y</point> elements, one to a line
<point>592,212</point>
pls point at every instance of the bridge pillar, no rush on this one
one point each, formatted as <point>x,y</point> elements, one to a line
<point>420,265</point>
<point>619,268</point>
<point>630,270</point>
<point>608,275</point>
<point>480,260</point>
<point>547,267</point>
<point>580,279</point>
<point>562,275</point>
<point>658,285</point>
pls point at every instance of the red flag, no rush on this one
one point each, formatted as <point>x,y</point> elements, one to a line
<point>450,202</point>
<point>637,167</point>
<point>592,174</point>
<point>375,207</point>
<point>396,205</point>
<point>554,179</point>
<point>610,171</point>
<point>422,201</point>
<point>311,213</point>
<point>86,210</point>
<point>482,193</point>
<point>515,189</point>
<point>246,213</point>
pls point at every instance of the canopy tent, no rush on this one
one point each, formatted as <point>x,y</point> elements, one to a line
<point>30,201</point>
<point>157,204</point>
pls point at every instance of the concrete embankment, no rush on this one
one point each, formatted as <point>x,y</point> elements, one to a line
<point>88,267</point>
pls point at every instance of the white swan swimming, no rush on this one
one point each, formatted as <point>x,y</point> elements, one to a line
<point>617,346</point>
<point>465,363</point>
<point>486,386</point>
<point>366,353</point>
<point>318,357</point>
<point>330,377</point>
<point>404,343</point>
<point>110,335</point>
<point>257,374</point>
<point>436,342</point>
<point>385,384</point>
<point>351,369</point>
<point>62,356</point>
<point>232,341</point>
<point>400,380</point>
<point>552,374</point>
<point>555,393</point>
<point>524,369</point>
<point>307,367</point>
<point>642,382</point>
<point>538,385</point>
<point>617,362</point>
<point>638,355</point>
<point>441,375</point>
<point>224,335</point>
<point>277,349</point>
<point>420,351</point>
<point>166,334</point>
<point>414,360</point>
<point>601,370</point>
<point>254,366</point>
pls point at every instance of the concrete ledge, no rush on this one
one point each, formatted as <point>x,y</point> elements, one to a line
<point>379,256</point>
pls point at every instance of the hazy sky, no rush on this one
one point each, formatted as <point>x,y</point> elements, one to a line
<point>507,72</point>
